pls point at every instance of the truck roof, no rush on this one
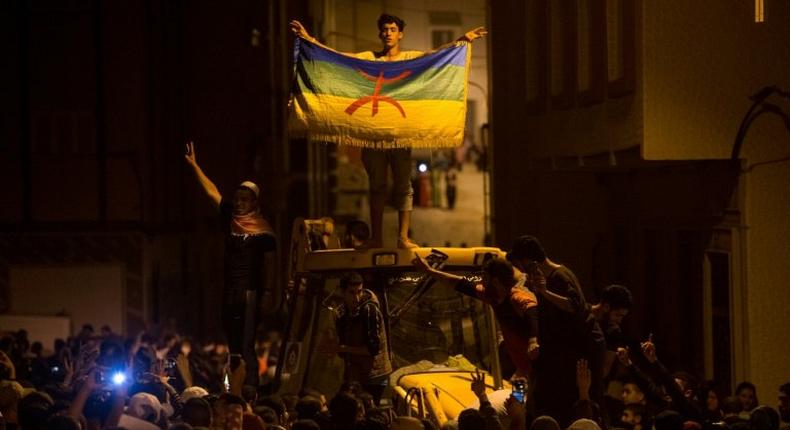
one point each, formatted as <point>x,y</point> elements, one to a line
<point>392,258</point>
<point>309,253</point>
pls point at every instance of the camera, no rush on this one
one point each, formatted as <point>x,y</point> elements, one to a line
<point>520,391</point>
<point>169,363</point>
<point>105,376</point>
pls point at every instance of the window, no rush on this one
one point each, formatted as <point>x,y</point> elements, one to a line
<point>591,51</point>
<point>759,10</point>
<point>614,39</point>
<point>444,17</point>
<point>562,28</point>
<point>536,56</point>
<point>442,37</point>
<point>558,63</point>
<point>621,46</point>
<point>584,52</point>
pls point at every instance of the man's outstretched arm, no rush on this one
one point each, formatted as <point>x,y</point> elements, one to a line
<point>469,36</point>
<point>422,265</point>
<point>473,34</point>
<point>208,187</point>
<point>298,29</point>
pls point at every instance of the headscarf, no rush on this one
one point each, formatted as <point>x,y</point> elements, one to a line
<point>253,223</point>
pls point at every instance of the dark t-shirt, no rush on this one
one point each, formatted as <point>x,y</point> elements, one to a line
<point>558,327</point>
<point>244,254</point>
<point>564,338</point>
<point>614,336</point>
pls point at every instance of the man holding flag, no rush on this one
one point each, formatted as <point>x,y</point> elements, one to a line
<point>423,104</point>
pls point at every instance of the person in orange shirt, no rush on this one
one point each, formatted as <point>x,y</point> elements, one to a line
<point>514,306</point>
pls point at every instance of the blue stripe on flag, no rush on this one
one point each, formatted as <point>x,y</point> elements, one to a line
<point>451,56</point>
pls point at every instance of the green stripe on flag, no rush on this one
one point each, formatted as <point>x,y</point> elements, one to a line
<point>446,83</point>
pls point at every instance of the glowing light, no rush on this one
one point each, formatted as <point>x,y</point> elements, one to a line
<point>759,10</point>
<point>118,378</point>
<point>422,167</point>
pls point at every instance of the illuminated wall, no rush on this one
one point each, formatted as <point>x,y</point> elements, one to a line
<point>702,60</point>
<point>631,186</point>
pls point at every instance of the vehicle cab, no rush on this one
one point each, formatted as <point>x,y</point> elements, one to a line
<point>436,335</point>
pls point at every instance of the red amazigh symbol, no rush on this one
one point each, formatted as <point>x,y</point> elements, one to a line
<point>376,97</point>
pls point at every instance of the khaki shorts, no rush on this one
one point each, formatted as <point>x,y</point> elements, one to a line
<point>399,160</point>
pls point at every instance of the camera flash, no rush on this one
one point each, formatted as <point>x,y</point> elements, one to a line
<point>118,378</point>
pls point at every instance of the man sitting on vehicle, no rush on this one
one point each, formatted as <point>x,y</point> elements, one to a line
<point>515,307</point>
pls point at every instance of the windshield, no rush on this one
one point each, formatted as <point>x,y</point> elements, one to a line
<point>425,322</point>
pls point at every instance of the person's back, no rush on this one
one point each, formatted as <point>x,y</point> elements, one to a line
<point>305,425</point>
<point>558,328</point>
<point>344,410</point>
<point>668,420</point>
<point>544,422</point>
<point>731,409</point>
<point>307,408</point>
<point>197,413</point>
<point>764,418</point>
<point>278,406</point>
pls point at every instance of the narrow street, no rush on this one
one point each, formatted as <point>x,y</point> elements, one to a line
<point>437,226</point>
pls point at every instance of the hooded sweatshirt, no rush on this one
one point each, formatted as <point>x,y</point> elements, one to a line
<point>364,326</point>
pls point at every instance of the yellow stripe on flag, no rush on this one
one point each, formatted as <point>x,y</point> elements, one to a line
<point>427,123</point>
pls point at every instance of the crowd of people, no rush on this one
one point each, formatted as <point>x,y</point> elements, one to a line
<point>566,359</point>
<point>581,370</point>
<point>103,380</point>
<point>567,362</point>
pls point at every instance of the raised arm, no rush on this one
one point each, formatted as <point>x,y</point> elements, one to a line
<point>5,360</point>
<point>473,34</point>
<point>486,410</point>
<point>422,265</point>
<point>539,285</point>
<point>653,392</point>
<point>88,386</point>
<point>679,401</point>
<point>208,187</point>
<point>298,29</point>
<point>469,36</point>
